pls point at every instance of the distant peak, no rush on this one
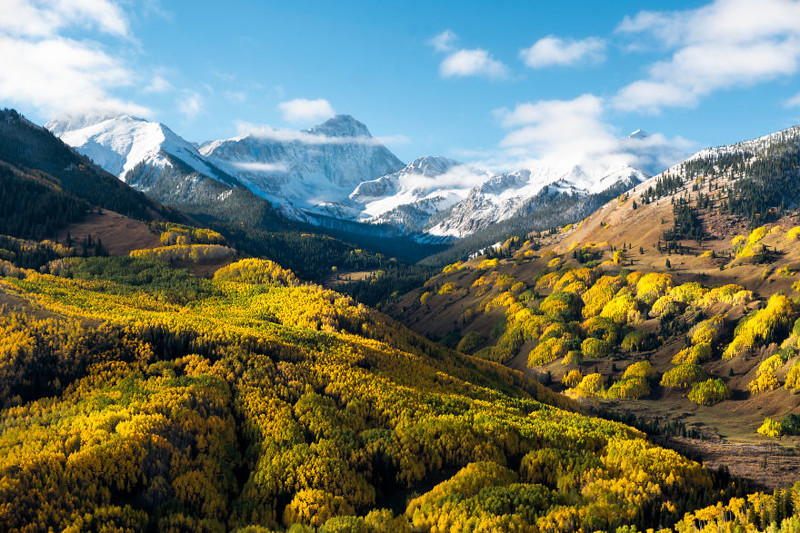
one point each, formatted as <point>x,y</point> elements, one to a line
<point>341,126</point>
<point>431,165</point>
<point>638,134</point>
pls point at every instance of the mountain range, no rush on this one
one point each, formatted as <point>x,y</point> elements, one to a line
<point>162,368</point>
<point>334,173</point>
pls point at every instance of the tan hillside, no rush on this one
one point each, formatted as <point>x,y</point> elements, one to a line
<point>715,317</point>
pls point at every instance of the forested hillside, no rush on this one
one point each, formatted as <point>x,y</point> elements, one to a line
<point>182,387</point>
<point>35,152</point>
<point>676,304</point>
<point>139,396</point>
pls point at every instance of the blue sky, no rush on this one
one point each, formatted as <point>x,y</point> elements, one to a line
<point>502,83</point>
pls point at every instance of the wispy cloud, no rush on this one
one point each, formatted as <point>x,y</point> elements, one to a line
<point>158,84</point>
<point>190,104</point>
<point>24,18</point>
<point>555,51</point>
<point>458,177</point>
<point>794,101</point>
<point>303,111</point>
<point>45,70</point>
<point>261,167</point>
<point>307,137</point>
<point>474,62</point>
<point>574,132</point>
<point>466,62</point>
<point>235,96</point>
<point>444,41</point>
<point>725,44</point>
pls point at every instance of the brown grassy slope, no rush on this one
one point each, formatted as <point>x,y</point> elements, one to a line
<point>118,233</point>
<point>618,224</point>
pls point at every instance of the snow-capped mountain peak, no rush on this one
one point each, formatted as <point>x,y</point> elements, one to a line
<point>319,166</point>
<point>430,165</point>
<point>335,170</point>
<point>341,126</point>
<point>121,143</point>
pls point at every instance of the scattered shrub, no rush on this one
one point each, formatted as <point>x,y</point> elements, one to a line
<point>547,352</point>
<point>770,428</point>
<point>623,309</point>
<point>573,357</point>
<point>572,378</point>
<point>683,376</point>
<point>595,348</point>
<point>695,354</point>
<point>762,326</point>
<point>639,341</point>
<point>652,286</point>
<point>765,375</point>
<point>709,392</point>
<point>630,388</point>
<point>793,377</point>
<point>447,288</point>
<point>257,272</point>
<point>602,328</point>
<point>560,305</point>
<point>641,369</point>
<point>708,331</point>
<point>591,385</point>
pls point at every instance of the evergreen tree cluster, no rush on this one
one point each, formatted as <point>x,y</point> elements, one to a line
<point>27,146</point>
<point>687,224</point>
<point>766,174</point>
<point>34,209</point>
<point>665,185</point>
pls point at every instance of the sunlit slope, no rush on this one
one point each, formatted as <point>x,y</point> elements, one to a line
<point>163,400</point>
<point>697,266</point>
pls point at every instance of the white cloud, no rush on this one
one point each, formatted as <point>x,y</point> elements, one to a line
<point>664,27</point>
<point>53,74</point>
<point>725,44</point>
<point>444,41</point>
<point>59,75</point>
<point>255,166</point>
<point>466,62</point>
<point>190,104</point>
<point>565,133</point>
<point>26,18</point>
<point>303,111</point>
<point>158,84</point>
<point>794,101</point>
<point>458,177</point>
<point>558,129</point>
<point>552,50</point>
<point>235,96</point>
<point>306,137</point>
<point>475,62</point>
